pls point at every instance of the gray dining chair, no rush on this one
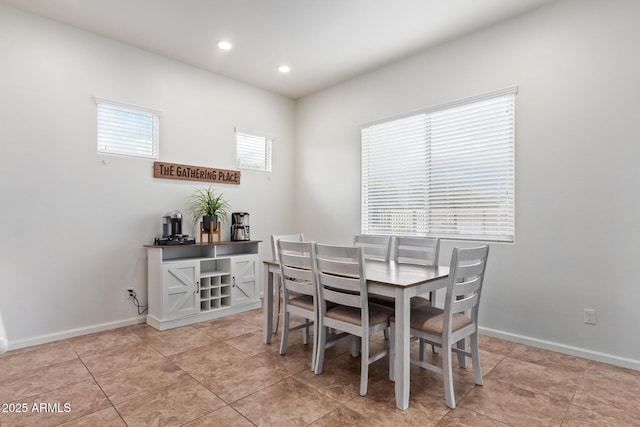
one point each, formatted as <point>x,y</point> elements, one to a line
<point>277,278</point>
<point>380,248</point>
<point>377,248</point>
<point>341,281</point>
<point>421,251</point>
<point>453,324</point>
<point>298,290</point>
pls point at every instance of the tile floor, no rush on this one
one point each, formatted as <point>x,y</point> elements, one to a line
<point>219,373</point>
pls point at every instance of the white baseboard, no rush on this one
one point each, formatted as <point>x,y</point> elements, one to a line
<point>43,339</point>
<point>562,348</point>
<point>521,339</point>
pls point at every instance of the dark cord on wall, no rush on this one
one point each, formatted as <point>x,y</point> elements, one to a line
<point>137,303</point>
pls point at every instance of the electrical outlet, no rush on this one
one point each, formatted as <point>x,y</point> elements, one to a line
<point>589,316</point>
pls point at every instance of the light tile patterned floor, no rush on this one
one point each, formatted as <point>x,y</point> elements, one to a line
<point>219,373</point>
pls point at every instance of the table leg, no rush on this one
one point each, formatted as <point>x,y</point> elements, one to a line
<point>402,349</point>
<point>267,306</point>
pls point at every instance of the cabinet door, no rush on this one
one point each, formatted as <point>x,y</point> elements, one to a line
<point>243,278</point>
<point>180,289</point>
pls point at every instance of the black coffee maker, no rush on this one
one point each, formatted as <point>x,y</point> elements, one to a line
<point>240,226</point>
<point>172,224</point>
<point>172,231</point>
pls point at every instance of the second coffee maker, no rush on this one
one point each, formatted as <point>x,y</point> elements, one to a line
<point>240,226</point>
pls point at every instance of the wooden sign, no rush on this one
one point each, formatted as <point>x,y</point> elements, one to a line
<point>195,173</point>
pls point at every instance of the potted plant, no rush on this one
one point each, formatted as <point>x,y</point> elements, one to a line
<point>210,206</point>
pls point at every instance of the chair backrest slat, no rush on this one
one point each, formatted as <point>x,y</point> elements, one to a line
<point>374,247</point>
<point>300,287</point>
<point>416,250</point>
<point>288,237</point>
<point>469,270</point>
<point>295,260</point>
<point>467,287</point>
<point>297,273</point>
<point>342,298</point>
<point>338,267</point>
<point>347,284</point>
<point>462,305</point>
<point>414,254</point>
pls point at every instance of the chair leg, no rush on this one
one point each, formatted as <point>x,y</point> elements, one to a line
<point>462,359</point>
<point>422,347</point>
<point>354,347</point>
<point>447,373</point>
<point>432,300</point>
<point>392,352</point>
<point>285,333</point>
<point>322,344</point>
<point>364,366</point>
<point>305,334</point>
<point>475,359</point>
<point>276,318</point>
<point>314,349</point>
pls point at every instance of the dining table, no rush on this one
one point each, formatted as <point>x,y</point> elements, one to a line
<point>388,278</point>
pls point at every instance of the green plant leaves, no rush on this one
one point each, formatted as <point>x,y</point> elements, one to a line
<point>207,202</point>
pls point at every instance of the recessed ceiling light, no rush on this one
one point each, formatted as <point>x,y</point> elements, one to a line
<point>284,69</point>
<point>224,45</point>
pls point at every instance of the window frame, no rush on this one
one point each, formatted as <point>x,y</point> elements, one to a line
<point>154,115</point>
<point>425,226</point>
<point>243,164</point>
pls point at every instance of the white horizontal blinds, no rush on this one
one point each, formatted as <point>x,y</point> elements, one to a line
<point>253,151</point>
<point>127,130</point>
<point>445,171</point>
<point>394,177</point>
<point>471,165</point>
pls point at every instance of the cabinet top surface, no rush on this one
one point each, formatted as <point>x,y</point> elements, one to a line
<point>200,245</point>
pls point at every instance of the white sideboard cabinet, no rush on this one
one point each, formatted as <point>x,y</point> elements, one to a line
<point>193,283</point>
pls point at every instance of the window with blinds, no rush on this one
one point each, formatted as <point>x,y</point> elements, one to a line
<point>253,151</point>
<point>127,130</point>
<point>446,171</point>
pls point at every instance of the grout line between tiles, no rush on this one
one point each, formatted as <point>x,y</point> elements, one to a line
<point>103,392</point>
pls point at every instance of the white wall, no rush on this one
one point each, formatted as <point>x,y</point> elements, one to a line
<point>73,227</point>
<point>577,64</point>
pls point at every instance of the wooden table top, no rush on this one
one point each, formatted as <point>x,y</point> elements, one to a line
<point>394,274</point>
<point>402,275</point>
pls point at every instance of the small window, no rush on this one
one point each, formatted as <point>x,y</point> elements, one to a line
<point>127,130</point>
<point>253,151</point>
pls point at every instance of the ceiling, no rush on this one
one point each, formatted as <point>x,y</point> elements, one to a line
<point>323,41</point>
